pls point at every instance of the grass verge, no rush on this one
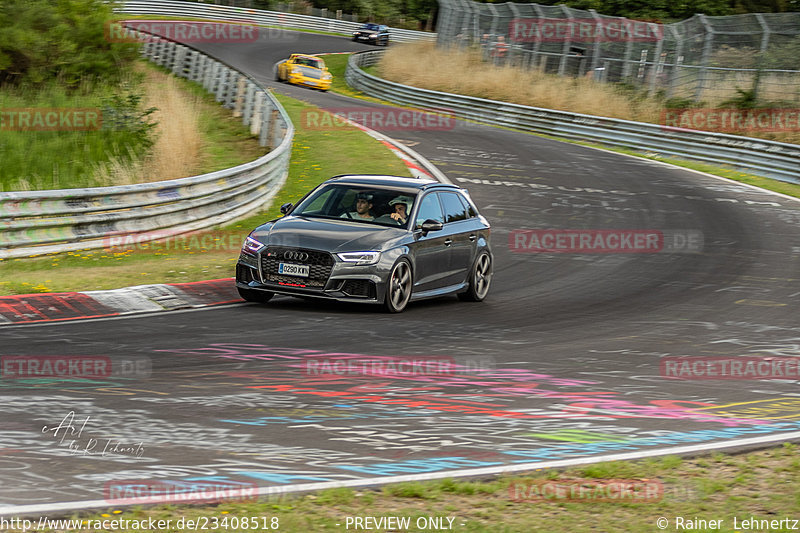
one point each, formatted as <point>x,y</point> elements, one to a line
<point>50,137</point>
<point>761,485</point>
<point>465,72</point>
<point>316,156</point>
<point>193,135</point>
<point>447,85</point>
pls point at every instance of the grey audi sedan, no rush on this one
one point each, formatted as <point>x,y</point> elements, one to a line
<point>383,240</point>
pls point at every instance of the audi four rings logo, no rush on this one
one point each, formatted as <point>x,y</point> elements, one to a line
<point>295,256</point>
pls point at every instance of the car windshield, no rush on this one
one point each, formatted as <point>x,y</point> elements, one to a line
<point>373,27</point>
<point>309,62</point>
<point>358,203</point>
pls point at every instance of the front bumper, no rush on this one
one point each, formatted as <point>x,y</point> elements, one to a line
<point>328,278</point>
<point>315,83</point>
<point>365,38</point>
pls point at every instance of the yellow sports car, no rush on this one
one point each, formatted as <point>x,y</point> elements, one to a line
<point>301,69</point>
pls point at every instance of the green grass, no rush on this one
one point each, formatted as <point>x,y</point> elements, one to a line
<point>716,488</point>
<point>211,254</point>
<point>33,160</point>
<point>40,160</point>
<point>227,142</point>
<point>337,64</point>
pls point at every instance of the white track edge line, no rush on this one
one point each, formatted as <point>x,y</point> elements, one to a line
<point>514,468</point>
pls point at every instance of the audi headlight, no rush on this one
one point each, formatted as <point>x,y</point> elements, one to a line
<point>373,35</point>
<point>360,258</point>
<point>251,246</point>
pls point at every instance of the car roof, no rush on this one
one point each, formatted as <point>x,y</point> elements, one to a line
<point>379,180</point>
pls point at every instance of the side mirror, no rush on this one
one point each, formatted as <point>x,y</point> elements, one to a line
<point>430,225</point>
<point>285,208</point>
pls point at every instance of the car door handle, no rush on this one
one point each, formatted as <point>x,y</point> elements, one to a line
<point>472,238</point>
<point>448,242</point>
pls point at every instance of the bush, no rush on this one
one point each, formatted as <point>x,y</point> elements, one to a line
<point>64,39</point>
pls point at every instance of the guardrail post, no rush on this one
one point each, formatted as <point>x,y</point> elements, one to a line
<point>147,49</point>
<point>263,138</point>
<point>234,90</point>
<point>241,87</point>
<point>163,52</point>
<point>210,76</point>
<point>258,111</point>
<point>158,48</point>
<point>172,56</point>
<point>249,98</point>
<point>194,61</point>
<point>277,129</point>
<point>222,81</point>
<point>178,66</point>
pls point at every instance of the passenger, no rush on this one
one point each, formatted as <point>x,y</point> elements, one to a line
<point>402,206</point>
<point>363,207</point>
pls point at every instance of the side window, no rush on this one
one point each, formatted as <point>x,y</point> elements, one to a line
<point>454,209</point>
<point>468,206</point>
<point>429,208</point>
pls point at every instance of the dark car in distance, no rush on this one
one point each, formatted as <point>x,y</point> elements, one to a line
<point>384,240</point>
<point>377,34</point>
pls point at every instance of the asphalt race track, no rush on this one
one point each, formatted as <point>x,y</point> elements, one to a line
<point>562,362</point>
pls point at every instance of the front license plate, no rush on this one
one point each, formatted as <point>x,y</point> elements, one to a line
<point>311,83</point>
<point>288,269</point>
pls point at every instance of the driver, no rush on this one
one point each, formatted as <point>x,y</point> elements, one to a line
<point>363,207</point>
<point>402,206</point>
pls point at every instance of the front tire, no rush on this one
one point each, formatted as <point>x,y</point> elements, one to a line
<point>480,278</point>
<point>252,295</point>
<point>399,286</point>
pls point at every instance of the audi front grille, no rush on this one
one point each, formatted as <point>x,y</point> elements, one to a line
<point>320,265</point>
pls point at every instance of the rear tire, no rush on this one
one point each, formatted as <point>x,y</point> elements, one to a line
<point>252,295</point>
<point>399,286</point>
<point>480,278</point>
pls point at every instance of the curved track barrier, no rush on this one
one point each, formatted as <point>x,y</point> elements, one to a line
<point>42,222</point>
<point>755,156</point>
<point>260,17</point>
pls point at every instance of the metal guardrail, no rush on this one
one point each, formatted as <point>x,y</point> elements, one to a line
<point>755,156</point>
<point>43,222</point>
<point>258,16</point>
